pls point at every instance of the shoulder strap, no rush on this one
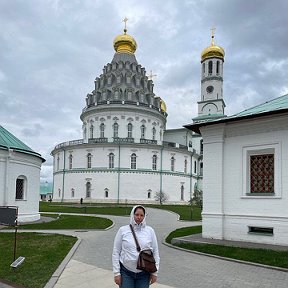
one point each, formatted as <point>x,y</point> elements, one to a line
<point>135,238</point>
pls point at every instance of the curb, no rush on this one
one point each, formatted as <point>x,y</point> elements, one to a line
<point>226,259</point>
<point>54,278</point>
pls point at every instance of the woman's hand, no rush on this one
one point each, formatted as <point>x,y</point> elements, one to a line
<point>153,279</point>
<point>118,280</point>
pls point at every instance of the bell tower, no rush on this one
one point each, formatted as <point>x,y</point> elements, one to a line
<point>212,104</point>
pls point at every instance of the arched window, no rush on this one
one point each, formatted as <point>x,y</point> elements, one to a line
<point>106,190</point>
<point>210,67</point>
<point>72,193</point>
<point>203,68</point>
<point>91,131</point>
<point>149,194</point>
<point>201,146</point>
<point>195,167</point>
<point>143,128</point>
<point>218,67</point>
<point>172,163</point>
<point>201,168</point>
<point>88,190</point>
<point>89,160</point>
<point>182,192</point>
<point>20,188</point>
<point>102,130</point>
<point>154,162</point>
<point>185,166</point>
<point>129,130</point>
<point>111,160</point>
<point>70,161</point>
<point>115,130</point>
<point>153,133</point>
<point>58,162</point>
<point>133,161</point>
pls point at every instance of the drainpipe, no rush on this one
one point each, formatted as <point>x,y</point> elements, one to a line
<point>63,179</point>
<point>7,177</point>
<point>191,167</point>
<point>161,171</point>
<point>118,192</point>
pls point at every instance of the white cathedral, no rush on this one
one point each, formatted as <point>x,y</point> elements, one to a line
<point>126,154</point>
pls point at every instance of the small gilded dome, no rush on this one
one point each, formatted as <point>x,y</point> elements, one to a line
<point>125,43</point>
<point>163,105</point>
<point>212,51</point>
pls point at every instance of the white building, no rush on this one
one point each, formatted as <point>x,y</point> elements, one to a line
<point>245,178</point>
<point>19,176</point>
<point>126,154</point>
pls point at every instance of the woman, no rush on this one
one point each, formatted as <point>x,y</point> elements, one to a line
<point>125,254</point>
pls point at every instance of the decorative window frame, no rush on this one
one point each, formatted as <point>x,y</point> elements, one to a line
<point>24,188</point>
<point>247,151</point>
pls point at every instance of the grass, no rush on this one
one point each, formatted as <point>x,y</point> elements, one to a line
<point>71,222</point>
<point>43,254</point>
<point>120,210</point>
<point>181,232</point>
<point>261,256</point>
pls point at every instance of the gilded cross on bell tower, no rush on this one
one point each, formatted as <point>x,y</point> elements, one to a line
<point>212,35</point>
<point>125,27</point>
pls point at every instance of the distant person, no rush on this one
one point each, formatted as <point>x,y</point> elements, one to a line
<point>81,201</point>
<point>125,254</point>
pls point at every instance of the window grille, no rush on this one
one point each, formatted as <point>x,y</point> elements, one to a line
<point>88,190</point>
<point>130,130</point>
<point>133,161</point>
<point>102,130</point>
<point>154,162</point>
<point>111,160</point>
<point>89,160</point>
<point>262,173</point>
<point>143,128</point>
<point>115,130</point>
<point>172,163</point>
<point>70,161</point>
<point>20,189</point>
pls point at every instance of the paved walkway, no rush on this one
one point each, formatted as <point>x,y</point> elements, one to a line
<point>90,265</point>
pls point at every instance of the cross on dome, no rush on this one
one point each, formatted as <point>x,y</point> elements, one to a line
<point>151,75</point>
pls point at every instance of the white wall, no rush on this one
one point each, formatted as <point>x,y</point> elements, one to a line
<point>227,210</point>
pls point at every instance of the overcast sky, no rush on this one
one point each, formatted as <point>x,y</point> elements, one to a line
<point>51,51</point>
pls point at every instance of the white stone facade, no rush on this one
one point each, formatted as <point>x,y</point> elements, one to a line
<point>16,165</point>
<point>230,211</point>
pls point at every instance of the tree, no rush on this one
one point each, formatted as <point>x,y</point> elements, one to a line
<point>161,197</point>
<point>198,197</point>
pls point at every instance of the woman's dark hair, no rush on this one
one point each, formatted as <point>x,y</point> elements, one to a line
<point>140,207</point>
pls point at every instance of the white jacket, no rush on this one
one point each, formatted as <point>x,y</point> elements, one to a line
<point>125,250</point>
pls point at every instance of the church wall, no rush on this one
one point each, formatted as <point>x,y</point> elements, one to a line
<point>2,175</point>
<point>241,210</point>
<point>101,177</point>
<point>27,167</point>
<point>137,119</point>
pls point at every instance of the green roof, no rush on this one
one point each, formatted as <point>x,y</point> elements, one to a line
<point>274,106</point>
<point>9,141</point>
<point>46,188</point>
<point>269,106</point>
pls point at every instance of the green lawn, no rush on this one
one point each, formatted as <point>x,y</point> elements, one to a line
<point>43,254</point>
<point>262,256</point>
<point>70,222</point>
<point>184,211</point>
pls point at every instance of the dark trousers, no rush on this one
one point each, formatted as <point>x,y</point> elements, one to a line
<point>134,280</point>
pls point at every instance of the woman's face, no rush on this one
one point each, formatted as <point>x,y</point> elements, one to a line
<point>139,215</point>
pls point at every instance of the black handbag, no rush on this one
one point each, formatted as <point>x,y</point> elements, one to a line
<point>146,261</point>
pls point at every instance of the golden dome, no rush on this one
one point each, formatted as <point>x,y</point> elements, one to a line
<point>125,43</point>
<point>163,105</point>
<point>212,51</point>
